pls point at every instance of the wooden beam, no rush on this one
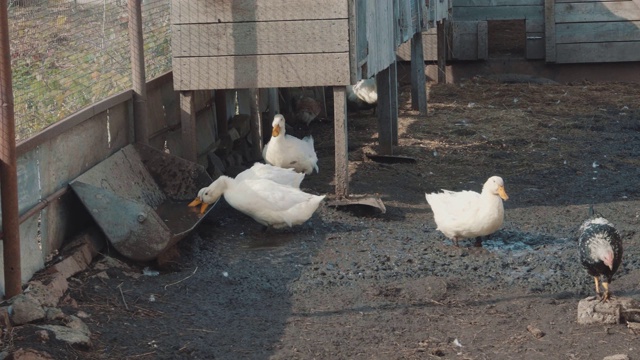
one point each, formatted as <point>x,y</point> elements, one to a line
<point>188,122</point>
<point>393,101</point>
<point>256,124</point>
<point>550,30</point>
<point>384,109</point>
<point>222,117</point>
<point>341,141</point>
<point>418,77</point>
<point>442,52</point>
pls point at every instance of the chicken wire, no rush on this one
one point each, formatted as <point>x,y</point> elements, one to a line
<point>69,54</point>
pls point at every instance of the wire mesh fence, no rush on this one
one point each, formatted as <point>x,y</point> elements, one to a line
<point>68,54</point>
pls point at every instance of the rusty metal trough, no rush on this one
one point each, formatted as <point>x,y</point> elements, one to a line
<point>139,195</point>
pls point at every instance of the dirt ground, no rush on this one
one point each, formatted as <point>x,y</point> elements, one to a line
<point>357,284</point>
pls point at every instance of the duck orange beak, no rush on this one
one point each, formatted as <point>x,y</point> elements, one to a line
<point>276,131</point>
<point>503,193</point>
<point>197,202</point>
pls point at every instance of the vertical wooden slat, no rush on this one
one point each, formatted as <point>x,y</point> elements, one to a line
<point>256,124</point>
<point>550,30</point>
<point>393,98</point>
<point>483,40</point>
<point>8,168</point>
<point>418,77</point>
<point>188,122</point>
<point>222,118</point>
<point>442,52</point>
<point>385,134</point>
<point>341,141</point>
<point>274,104</point>
<point>140,111</point>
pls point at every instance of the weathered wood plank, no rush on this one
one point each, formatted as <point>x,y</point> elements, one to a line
<point>550,30</point>
<point>475,3</point>
<point>442,51</point>
<point>598,52</point>
<point>429,46</point>
<point>595,12</point>
<point>598,32</point>
<point>497,13</point>
<point>465,40</point>
<point>385,116</point>
<point>341,139</point>
<point>224,11</point>
<point>263,71</point>
<point>534,25</point>
<point>582,1</point>
<point>314,36</point>
<point>188,121</point>
<point>483,40</point>
<point>418,76</point>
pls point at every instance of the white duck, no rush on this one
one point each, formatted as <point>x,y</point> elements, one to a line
<point>287,151</point>
<point>467,214</point>
<point>363,95</point>
<point>267,202</point>
<point>273,173</point>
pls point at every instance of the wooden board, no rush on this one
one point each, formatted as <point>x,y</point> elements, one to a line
<point>598,32</point>
<point>550,30</point>
<point>260,38</point>
<point>497,13</point>
<point>235,72</point>
<point>598,52</point>
<point>514,3</point>
<point>226,11</point>
<point>429,46</point>
<point>596,11</point>
<point>465,40</point>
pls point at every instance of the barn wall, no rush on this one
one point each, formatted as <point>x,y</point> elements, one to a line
<point>595,31</point>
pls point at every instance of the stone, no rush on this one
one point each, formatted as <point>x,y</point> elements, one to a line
<point>75,333</point>
<point>30,354</point>
<point>614,311</point>
<point>25,309</point>
<point>43,335</point>
<point>53,313</point>
<point>49,290</point>
<point>617,357</point>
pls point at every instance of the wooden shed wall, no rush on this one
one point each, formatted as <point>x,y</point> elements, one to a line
<point>469,30</point>
<point>586,31</point>
<point>232,44</point>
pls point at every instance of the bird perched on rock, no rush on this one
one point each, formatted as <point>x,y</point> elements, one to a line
<point>600,249</point>
<point>289,152</point>
<point>467,214</point>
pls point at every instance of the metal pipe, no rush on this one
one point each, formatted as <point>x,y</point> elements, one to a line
<point>8,169</point>
<point>140,111</point>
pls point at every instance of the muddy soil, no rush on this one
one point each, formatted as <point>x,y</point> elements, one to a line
<point>357,284</point>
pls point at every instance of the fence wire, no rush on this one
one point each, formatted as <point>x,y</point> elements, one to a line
<point>68,54</point>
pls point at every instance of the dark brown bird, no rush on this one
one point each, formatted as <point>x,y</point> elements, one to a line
<point>600,251</point>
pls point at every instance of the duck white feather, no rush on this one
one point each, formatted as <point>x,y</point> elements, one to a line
<point>267,202</point>
<point>289,152</point>
<point>273,173</point>
<point>467,214</point>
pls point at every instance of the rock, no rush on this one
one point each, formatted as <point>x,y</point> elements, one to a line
<point>30,354</point>
<point>617,357</point>
<point>535,331</point>
<point>25,309</point>
<point>614,311</point>
<point>5,319</point>
<point>42,335</point>
<point>76,332</point>
<point>54,314</point>
<point>49,290</point>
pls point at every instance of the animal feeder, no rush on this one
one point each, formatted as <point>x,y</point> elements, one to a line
<point>138,196</point>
